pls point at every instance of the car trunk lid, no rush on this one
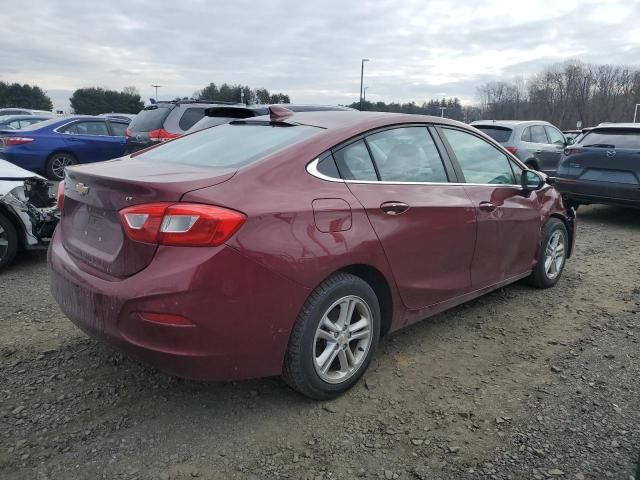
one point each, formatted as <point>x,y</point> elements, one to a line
<point>94,195</point>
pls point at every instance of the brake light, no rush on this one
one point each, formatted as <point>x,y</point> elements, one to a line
<point>180,224</point>
<point>60,201</point>
<point>11,141</point>
<point>511,150</point>
<point>127,132</point>
<point>161,135</point>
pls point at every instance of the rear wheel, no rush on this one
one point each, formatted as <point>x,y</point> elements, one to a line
<point>56,164</point>
<point>8,241</point>
<point>552,254</point>
<point>333,338</point>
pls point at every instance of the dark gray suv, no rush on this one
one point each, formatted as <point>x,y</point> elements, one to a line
<point>536,143</point>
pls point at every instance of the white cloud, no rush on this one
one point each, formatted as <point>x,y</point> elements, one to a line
<point>311,49</point>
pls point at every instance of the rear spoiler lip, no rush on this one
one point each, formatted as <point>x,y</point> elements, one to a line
<point>231,112</point>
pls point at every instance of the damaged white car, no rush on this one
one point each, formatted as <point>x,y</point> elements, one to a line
<point>28,213</point>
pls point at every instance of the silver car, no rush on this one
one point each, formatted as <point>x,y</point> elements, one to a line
<point>538,144</point>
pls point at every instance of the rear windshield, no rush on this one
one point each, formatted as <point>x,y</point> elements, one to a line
<point>611,138</point>
<point>207,122</point>
<point>499,134</point>
<point>45,123</point>
<point>230,145</point>
<point>148,120</point>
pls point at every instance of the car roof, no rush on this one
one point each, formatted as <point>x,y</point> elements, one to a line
<point>355,120</point>
<point>509,123</point>
<point>617,125</point>
<point>24,116</point>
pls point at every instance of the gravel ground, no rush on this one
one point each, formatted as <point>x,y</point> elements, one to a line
<point>520,384</point>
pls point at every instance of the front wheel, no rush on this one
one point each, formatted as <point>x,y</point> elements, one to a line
<point>333,338</point>
<point>8,241</point>
<point>552,254</point>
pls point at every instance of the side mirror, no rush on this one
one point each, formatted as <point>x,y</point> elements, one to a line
<point>531,180</point>
<point>569,141</point>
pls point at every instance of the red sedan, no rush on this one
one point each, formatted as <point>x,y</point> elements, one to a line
<point>289,244</point>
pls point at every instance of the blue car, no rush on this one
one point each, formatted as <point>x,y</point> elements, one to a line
<point>52,145</point>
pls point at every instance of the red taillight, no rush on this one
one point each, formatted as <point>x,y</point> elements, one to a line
<point>11,141</point>
<point>161,135</point>
<point>60,195</point>
<point>180,224</point>
<point>127,132</point>
<point>511,150</point>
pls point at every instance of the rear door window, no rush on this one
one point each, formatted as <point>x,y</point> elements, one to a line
<point>149,119</point>
<point>230,145</point>
<point>407,155</point>
<point>612,138</point>
<point>499,134</point>
<point>86,128</point>
<point>190,117</point>
<point>481,162</point>
<point>118,129</point>
<point>354,162</point>
<point>538,134</point>
<point>526,135</point>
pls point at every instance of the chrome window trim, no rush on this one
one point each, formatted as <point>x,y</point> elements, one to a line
<point>312,169</point>
<point>81,120</point>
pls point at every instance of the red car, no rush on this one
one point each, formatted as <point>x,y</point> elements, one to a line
<point>289,244</point>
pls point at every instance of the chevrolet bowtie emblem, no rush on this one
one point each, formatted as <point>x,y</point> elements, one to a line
<point>81,188</point>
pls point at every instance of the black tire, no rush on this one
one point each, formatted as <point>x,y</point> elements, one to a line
<point>54,162</point>
<point>539,277</point>
<point>299,367</point>
<point>9,234</point>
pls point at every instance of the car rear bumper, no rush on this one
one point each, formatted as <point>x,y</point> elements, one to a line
<point>27,160</point>
<point>241,313</point>
<point>599,192</point>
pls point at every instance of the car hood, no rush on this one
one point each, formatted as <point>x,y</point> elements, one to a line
<point>12,176</point>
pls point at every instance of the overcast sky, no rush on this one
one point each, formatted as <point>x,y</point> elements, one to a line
<point>309,49</point>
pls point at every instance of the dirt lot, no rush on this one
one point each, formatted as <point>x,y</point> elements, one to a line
<point>522,383</point>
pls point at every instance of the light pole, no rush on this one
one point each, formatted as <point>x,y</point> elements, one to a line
<point>635,113</point>
<point>442,109</point>
<point>156,87</point>
<point>364,94</point>
<point>361,78</point>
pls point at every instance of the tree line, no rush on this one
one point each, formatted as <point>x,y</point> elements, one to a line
<point>239,93</point>
<point>565,94</point>
<point>24,96</point>
<point>453,108</point>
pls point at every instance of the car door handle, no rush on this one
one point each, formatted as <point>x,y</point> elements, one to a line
<point>537,151</point>
<point>487,206</point>
<point>394,208</point>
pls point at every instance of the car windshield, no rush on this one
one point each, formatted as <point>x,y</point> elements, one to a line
<point>230,145</point>
<point>149,119</point>
<point>499,134</point>
<point>612,138</point>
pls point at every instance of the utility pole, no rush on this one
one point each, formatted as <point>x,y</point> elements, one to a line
<point>361,78</point>
<point>156,87</point>
<point>364,94</point>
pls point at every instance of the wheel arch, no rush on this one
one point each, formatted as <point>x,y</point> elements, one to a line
<point>380,285</point>
<point>569,228</point>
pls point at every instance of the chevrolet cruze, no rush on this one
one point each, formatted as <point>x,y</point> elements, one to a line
<point>289,244</point>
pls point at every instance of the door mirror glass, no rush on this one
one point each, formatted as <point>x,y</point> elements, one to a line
<point>570,141</point>
<point>532,180</point>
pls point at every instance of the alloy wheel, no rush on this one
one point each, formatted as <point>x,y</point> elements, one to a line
<point>342,339</point>
<point>58,164</point>
<point>554,254</point>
